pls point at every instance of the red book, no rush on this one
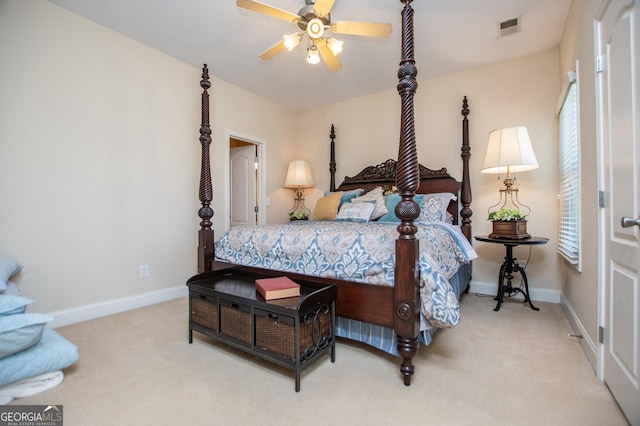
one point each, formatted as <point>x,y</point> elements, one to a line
<point>277,288</point>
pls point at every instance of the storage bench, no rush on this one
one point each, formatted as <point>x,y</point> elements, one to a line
<point>290,332</point>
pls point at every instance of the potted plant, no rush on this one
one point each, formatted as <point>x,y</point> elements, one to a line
<point>298,215</point>
<point>508,223</point>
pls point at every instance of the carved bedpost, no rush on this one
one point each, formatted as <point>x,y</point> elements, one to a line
<point>205,235</point>
<point>465,192</point>
<point>407,273</point>
<point>332,162</point>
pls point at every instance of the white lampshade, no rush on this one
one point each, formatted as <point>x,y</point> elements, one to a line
<point>335,45</point>
<point>291,41</point>
<point>299,175</point>
<point>313,57</point>
<point>509,151</point>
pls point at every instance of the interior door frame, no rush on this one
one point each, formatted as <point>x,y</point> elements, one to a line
<point>600,177</point>
<point>261,149</point>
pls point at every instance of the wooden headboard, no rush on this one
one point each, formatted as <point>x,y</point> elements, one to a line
<point>431,181</point>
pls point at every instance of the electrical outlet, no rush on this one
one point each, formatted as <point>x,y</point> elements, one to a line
<point>144,271</point>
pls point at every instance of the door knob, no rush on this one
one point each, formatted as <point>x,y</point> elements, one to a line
<point>628,222</point>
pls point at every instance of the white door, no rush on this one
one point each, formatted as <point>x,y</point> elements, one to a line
<point>243,185</point>
<point>619,48</point>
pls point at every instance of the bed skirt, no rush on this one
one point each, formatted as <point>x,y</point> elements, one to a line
<point>384,338</point>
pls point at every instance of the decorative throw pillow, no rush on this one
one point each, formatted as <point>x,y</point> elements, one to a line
<point>356,212</point>
<point>10,305</point>
<point>20,331</point>
<point>391,201</point>
<point>434,207</point>
<point>8,268</point>
<point>374,195</point>
<point>327,207</point>
<point>347,196</point>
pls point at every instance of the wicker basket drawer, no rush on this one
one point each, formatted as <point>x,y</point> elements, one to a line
<point>276,335</point>
<point>235,321</point>
<point>204,310</point>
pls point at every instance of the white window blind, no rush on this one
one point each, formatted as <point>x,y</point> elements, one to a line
<point>569,227</point>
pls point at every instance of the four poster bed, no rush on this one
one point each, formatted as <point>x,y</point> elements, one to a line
<point>399,278</point>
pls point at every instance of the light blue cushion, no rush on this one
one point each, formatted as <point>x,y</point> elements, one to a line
<point>347,196</point>
<point>52,353</point>
<point>20,331</point>
<point>391,201</point>
<point>8,268</point>
<point>10,305</point>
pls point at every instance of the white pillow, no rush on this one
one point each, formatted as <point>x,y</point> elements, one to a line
<point>356,212</point>
<point>377,196</point>
<point>434,207</point>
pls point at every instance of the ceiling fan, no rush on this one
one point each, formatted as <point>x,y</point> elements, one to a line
<point>314,22</point>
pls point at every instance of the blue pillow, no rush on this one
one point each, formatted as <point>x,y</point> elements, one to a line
<point>391,200</point>
<point>8,268</point>
<point>347,196</point>
<point>10,305</point>
<point>20,331</point>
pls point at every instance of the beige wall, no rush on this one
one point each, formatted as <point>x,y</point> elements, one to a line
<point>521,92</point>
<point>99,157</point>
<point>581,288</point>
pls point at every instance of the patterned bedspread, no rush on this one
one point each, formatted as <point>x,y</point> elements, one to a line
<point>362,252</point>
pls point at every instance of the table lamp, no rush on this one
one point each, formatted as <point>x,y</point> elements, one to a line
<point>299,177</point>
<point>509,151</point>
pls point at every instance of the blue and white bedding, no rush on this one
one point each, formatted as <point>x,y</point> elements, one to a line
<point>361,252</point>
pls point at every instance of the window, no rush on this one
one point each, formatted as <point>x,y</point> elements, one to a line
<point>569,227</point>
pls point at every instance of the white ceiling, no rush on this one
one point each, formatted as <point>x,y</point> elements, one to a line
<point>450,36</point>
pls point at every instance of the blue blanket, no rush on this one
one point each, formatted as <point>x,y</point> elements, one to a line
<point>362,252</point>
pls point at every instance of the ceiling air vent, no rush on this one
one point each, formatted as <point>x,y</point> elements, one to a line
<point>509,26</point>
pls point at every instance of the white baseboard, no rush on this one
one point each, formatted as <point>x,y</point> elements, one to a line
<point>536,294</point>
<point>588,346</point>
<point>97,310</point>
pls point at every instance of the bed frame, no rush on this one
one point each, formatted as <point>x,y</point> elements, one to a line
<point>396,307</point>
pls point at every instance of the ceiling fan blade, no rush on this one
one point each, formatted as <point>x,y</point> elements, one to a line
<point>323,7</point>
<point>369,29</point>
<point>330,60</point>
<point>256,6</point>
<point>273,50</point>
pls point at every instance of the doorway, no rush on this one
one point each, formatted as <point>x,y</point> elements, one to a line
<point>246,180</point>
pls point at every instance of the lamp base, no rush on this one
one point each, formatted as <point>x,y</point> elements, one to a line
<point>510,230</point>
<point>299,210</point>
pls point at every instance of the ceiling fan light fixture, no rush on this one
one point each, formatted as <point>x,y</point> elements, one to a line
<point>313,57</point>
<point>315,28</point>
<point>335,45</point>
<point>291,41</point>
<point>314,23</point>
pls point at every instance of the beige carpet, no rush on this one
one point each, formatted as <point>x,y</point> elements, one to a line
<point>510,367</point>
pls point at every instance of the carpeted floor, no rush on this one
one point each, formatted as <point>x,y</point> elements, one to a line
<point>515,366</point>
